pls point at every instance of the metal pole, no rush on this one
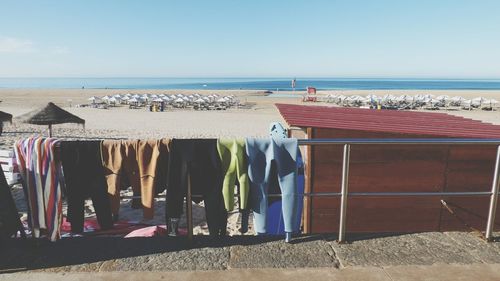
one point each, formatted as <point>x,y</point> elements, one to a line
<point>344,192</point>
<point>189,209</point>
<point>494,199</point>
<point>50,130</point>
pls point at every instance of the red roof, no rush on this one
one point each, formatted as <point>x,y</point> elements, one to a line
<point>388,121</point>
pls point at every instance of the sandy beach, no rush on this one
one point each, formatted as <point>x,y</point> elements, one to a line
<point>122,122</point>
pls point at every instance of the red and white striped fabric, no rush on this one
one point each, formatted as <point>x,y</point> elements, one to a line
<point>42,181</point>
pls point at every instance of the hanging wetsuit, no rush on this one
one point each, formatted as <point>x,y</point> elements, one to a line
<point>84,178</point>
<point>268,158</point>
<point>197,159</point>
<point>234,168</point>
<point>137,160</point>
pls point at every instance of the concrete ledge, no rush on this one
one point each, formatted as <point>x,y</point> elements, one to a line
<point>241,252</point>
<point>484,272</point>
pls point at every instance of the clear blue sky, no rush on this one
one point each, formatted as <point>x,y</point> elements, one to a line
<point>258,38</point>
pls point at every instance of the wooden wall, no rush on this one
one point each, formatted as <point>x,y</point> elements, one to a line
<point>400,168</point>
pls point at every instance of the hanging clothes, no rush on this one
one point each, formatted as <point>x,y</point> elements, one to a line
<point>234,168</point>
<point>197,159</point>
<point>138,161</point>
<point>84,178</point>
<point>9,219</point>
<point>268,159</point>
<point>42,182</point>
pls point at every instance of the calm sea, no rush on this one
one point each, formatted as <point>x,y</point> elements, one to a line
<point>249,83</point>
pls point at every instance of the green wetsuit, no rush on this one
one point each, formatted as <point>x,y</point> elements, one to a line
<point>234,167</point>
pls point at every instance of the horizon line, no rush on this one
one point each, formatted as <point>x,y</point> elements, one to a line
<point>254,77</point>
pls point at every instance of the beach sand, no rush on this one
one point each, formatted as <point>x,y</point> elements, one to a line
<point>122,122</point>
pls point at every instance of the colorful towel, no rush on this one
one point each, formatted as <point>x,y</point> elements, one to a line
<point>42,183</point>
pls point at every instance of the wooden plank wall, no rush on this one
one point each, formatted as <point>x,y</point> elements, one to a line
<point>408,168</point>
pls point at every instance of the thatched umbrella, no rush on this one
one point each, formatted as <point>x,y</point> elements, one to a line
<point>4,117</point>
<point>49,115</point>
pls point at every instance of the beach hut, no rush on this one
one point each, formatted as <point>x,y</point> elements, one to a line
<point>394,168</point>
<point>50,115</point>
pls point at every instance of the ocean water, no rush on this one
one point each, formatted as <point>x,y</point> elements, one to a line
<point>272,84</point>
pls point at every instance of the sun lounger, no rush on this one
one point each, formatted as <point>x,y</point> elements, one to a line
<point>9,167</point>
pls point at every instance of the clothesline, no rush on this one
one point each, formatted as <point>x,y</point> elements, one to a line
<point>185,167</point>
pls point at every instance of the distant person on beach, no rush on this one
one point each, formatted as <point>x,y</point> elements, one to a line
<point>83,87</point>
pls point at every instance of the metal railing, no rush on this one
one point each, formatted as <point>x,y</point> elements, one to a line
<point>345,194</point>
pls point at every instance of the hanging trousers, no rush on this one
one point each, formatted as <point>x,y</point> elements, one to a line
<point>234,167</point>
<point>84,178</point>
<point>263,154</point>
<point>137,160</point>
<point>197,159</point>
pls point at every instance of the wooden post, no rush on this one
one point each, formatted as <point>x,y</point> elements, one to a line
<point>189,209</point>
<point>50,130</point>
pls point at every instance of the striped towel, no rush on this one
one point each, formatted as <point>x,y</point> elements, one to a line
<point>42,182</point>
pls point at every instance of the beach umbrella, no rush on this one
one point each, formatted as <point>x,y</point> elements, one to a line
<point>106,97</point>
<point>133,100</point>
<point>478,101</point>
<point>490,102</point>
<point>50,114</point>
<point>93,99</point>
<point>113,100</point>
<point>158,100</point>
<point>126,98</point>
<point>200,101</point>
<point>467,103</point>
<point>179,100</point>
